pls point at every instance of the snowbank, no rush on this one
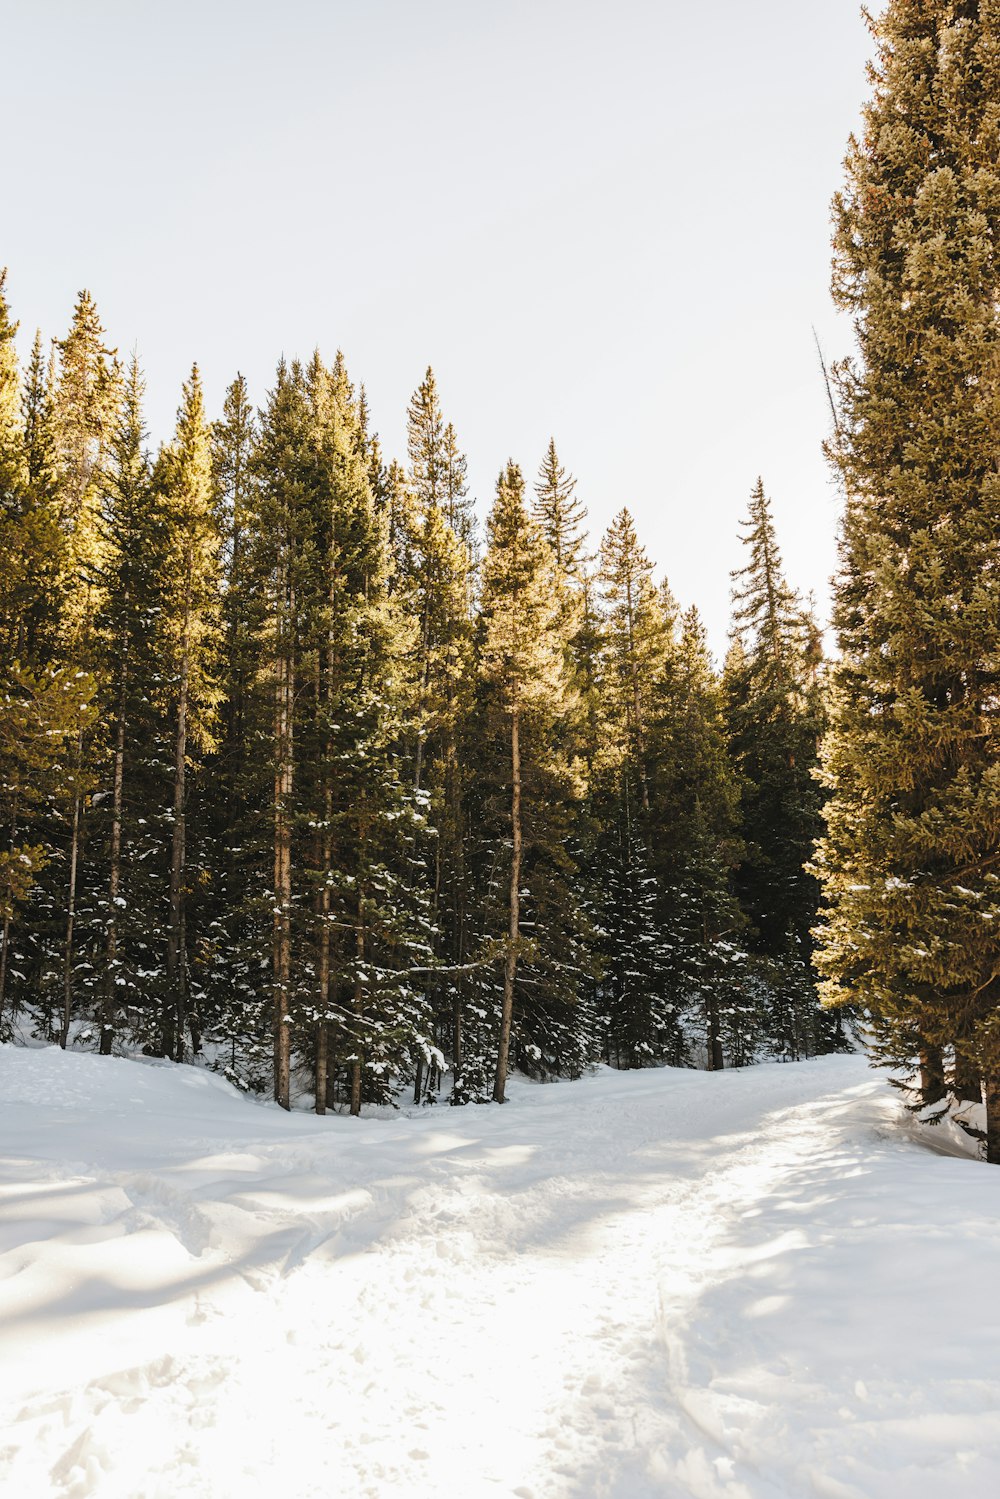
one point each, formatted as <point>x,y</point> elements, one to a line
<point>735,1286</point>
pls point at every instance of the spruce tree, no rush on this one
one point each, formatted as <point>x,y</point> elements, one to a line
<point>774,715</point>
<point>190,638</point>
<point>371,920</point>
<point>45,701</point>
<point>134,710</point>
<point>232,959</point>
<point>525,696</point>
<point>695,814</point>
<point>85,401</point>
<point>282,527</point>
<point>436,582</point>
<point>637,632</point>
<point>560,513</point>
<point>624,654</point>
<point>913,822</point>
<point>85,393</point>
<point>349,918</point>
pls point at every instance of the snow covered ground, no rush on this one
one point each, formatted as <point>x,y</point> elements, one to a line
<point>741,1286</point>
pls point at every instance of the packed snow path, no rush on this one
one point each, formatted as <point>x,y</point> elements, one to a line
<point>742,1286</point>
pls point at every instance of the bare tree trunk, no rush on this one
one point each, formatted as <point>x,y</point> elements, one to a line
<point>176,1011</point>
<point>716,1060</point>
<point>359,948</point>
<point>114,880</point>
<point>5,947</point>
<point>510,965</point>
<point>326,858</point>
<point>282,941</point>
<point>322,1027</point>
<point>322,1054</point>
<point>455,874</point>
<point>74,864</point>
<point>4,944</point>
<point>456,1033</point>
<point>932,1087</point>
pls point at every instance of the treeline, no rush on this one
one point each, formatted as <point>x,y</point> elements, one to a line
<point>300,774</point>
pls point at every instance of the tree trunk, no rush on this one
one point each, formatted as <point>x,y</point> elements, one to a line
<point>510,965</point>
<point>114,880</point>
<point>932,1087</point>
<point>322,1034</point>
<point>326,859</point>
<point>5,944</point>
<point>322,1054</point>
<point>716,1060</point>
<point>456,1033</point>
<point>323,946</point>
<point>359,949</point>
<point>991,1094</point>
<point>176,1010</point>
<point>282,935</point>
<point>455,875</point>
<point>74,864</point>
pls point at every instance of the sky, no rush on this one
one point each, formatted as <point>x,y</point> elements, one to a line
<point>605,224</point>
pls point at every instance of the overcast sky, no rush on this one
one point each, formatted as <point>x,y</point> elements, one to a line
<point>608,223</point>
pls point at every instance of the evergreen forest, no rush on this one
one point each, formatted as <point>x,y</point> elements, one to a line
<point>305,776</point>
<point>306,773</point>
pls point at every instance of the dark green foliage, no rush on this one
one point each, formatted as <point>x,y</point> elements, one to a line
<point>909,859</point>
<point>353,809</point>
<point>775,714</point>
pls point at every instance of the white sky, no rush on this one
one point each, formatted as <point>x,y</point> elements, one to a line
<point>605,222</point>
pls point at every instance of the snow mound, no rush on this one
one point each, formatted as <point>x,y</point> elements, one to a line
<point>737,1286</point>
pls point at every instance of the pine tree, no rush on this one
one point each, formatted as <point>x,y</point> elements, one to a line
<point>282,527</point>
<point>913,822</point>
<point>774,715</point>
<point>349,917</point>
<point>695,844</point>
<point>637,630</point>
<point>85,404</point>
<point>42,574</point>
<point>85,390</point>
<point>458,507</point>
<point>44,703</point>
<point>622,655</point>
<point>18,557</point>
<point>560,514</point>
<point>436,568</point>
<point>134,710</point>
<point>190,638</point>
<point>526,695</point>
<point>232,960</point>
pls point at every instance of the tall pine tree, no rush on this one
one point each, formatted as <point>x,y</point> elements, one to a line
<point>909,861</point>
<point>773,697</point>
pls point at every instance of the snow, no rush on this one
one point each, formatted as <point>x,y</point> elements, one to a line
<point>741,1286</point>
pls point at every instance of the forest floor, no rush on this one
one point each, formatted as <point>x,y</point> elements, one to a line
<point>740,1286</point>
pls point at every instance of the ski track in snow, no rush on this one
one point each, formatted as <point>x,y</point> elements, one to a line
<point>752,1285</point>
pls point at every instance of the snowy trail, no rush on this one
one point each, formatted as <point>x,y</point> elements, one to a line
<point>741,1286</point>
